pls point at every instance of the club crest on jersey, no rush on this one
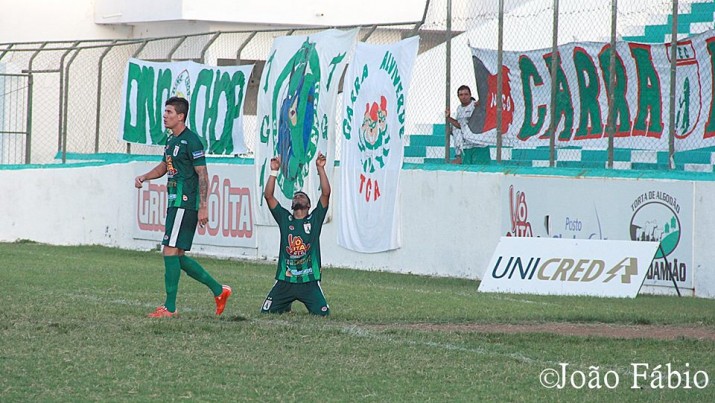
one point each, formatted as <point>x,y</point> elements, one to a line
<point>306,227</point>
<point>176,151</point>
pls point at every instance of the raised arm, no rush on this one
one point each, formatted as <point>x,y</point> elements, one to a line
<point>156,172</point>
<point>271,184</point>
<point>203,173</point>
<point>324,183</point>
<point>452,120</point>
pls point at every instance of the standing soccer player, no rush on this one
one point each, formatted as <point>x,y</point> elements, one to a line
<point>187,188</point>
<point>298,273</point>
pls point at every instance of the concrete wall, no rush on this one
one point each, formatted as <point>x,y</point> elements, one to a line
<point>274,12</point>
<point>451,219</point>
<point>703,250</point>
<point>67,206</point>
<point>50,20</point>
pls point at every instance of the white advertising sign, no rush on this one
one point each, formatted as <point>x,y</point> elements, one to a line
<point>550,266</point>
<point>597,208</point>
<point>231,219</point>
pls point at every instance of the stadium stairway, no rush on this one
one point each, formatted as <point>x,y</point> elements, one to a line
<point>428,148</point>
<point>698,19</point>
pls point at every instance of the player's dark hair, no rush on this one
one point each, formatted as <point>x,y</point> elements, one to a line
<point>180,105</point>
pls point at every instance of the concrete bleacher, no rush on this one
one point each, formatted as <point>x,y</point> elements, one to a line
<point>428,147</point>
<point>699,19</point>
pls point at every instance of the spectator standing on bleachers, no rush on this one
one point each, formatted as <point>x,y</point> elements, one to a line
<point>469,150</point>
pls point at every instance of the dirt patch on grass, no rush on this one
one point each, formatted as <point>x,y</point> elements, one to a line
<point>655,332</point>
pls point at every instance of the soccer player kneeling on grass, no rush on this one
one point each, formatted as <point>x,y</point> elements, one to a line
<point>187,188</point>
<point>298,274</point>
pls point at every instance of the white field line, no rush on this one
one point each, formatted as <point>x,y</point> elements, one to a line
<point>121,301</point>
<point>459,293</point>
<point>519,356</point>
<point>361,332</point>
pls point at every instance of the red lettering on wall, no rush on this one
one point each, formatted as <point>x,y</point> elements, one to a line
<point>519,212</point>
<point>229,209</point>
<point>151,207</point>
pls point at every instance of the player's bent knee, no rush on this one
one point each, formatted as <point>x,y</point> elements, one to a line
<point>322,311</point>
<point>268,307</point>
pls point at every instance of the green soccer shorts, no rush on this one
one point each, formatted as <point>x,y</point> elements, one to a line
<point>180,227</point>
<point>283,293</point>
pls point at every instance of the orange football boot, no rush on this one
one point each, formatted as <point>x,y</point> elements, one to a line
<point>162,312</point>
<point>222,298</point>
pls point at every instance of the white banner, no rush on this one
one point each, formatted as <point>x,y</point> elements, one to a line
<point>641,95</point>
<point>215,94</point>
<point>550,266</point>
<point>296,112</point>
<point>230,206</point>
<point>376,87</point>
<point>627,210</point>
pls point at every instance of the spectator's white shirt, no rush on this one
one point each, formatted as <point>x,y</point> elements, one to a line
<point>464,138</point>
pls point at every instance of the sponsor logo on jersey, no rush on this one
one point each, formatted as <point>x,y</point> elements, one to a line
<point>296,272</point>
<point>198,154</point>
<point>296,246</point>
<point>170,170</point>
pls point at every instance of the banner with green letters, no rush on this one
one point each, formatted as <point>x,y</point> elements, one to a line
<point>641,95</point>
<point>216,96</point>
<point>372,149</point>
<point>297,100</point>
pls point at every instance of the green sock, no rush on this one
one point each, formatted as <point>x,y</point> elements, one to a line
<point>172,273</point>
<point>198,273</point>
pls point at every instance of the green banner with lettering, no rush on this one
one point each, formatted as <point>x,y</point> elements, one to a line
<point>215,94</point>
<point>582,76</point>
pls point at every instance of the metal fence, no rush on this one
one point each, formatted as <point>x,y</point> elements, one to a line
<point>15,124</point>
<point>64,97</point>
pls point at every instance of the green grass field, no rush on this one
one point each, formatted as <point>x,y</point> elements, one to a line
<point>73,328</point>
